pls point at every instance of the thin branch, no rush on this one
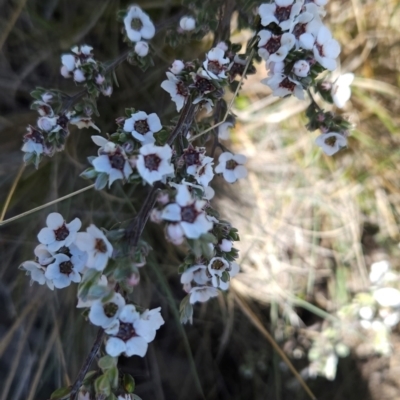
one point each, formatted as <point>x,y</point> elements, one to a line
<point>86,365</point>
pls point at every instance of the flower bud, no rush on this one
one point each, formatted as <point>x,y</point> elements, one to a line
<point>222,45</point>
<point>100,79</point>
<point>301,68</point>
<point>141,49</point>
<point>177,67</point>
<point>108,91</point>
<point>79,76</point>
<point>187,23</point>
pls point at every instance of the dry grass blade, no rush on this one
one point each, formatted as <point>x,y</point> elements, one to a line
<point>11,192</point>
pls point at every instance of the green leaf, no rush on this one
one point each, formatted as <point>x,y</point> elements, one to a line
<point>107,362</point>
<point>101,181</point>
<point>90,278</point>
<point>128,383</point>
<point>89,173</point>
<point>112,376</point>
<point>61,393</point>
<point>98,292</point>
<point>102,386</point>
<point>186,310</point>
<point>115,235</point>
<point>89,378</point>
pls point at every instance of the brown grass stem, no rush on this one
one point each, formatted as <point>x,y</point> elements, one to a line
<point>258,324</point>
<point>11,192</point>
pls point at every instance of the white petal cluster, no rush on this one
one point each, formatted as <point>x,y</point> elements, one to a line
<point>131,332</point>
<point>105,314</point>
<point>175,86</point>
<point>97,247</point>
<point>216,63</point>
<point>186,217</point>
<point>154,163</point>
<point>341,91</point>
<point>112,160</point>
<point>331,142</point>
<point>301,30</point>
<point>64,253</point>
<point>231,166</point>
<point>138,26</point>
<point>199,165</point>
<point>142,126</point>
<point>58,233</point>
<point>72,63</point>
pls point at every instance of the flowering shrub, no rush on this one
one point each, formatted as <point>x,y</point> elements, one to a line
<point>175,165</point>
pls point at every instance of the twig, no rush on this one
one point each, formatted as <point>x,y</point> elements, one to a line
<point>86,365</point>
<point>24,214</point>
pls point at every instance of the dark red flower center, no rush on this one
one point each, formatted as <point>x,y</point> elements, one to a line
<point>117,161</point>
<point>110,309</point>
<point>231,164</point>
<point>287,84</point>
<point>189,213</point>
<point>126,331</point>
<point>152,161</point>
<point>141,126</point>
<point>181,89</point>
<point>100,246</point>
<point>214,67</point>
<point>217,265</point>
<point>204,85</point>
<point>61,233</point>
<point>298,30</point>
<point>273,44</point>
<point>66,267</point>
<point>62,121</point>
<point>191,157</point>
<point>283,13</point>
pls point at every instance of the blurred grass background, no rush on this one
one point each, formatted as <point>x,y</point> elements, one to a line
<point>310,225</point>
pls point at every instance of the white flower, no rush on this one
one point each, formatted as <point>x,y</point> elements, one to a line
<point>215,63</point>
<point>33,141</point>
<point>274,47</point>
<point>331,142</point>
<point>68,61</point>
<point>132,333</point>
<point>305,28</point>
<point>378,271</point>
<point>216,267</point>
<point>37,273</point>
<point>177,67</point>
<point>174,233</point>
<point>231,166</point>
<point>366,312</point>
<point>79,76</point>
<point>177,90</point>
<point>58,233</point>
<point>326,49</point>
<point>143,126</point>
<point>196,273</point>
<point>202,172</point>
<point>274,68</point>
<point>225,245</point>
<point>114,163</point>
<point>188,214</point>
<point>282,12</point>
<point>387,297</point>
<point>83,122</point>
<point>138,25</point>
<point>95,243</point>
<point>202,294</point>
<point>63,271</point>
<point>141,49</point>
<point>341,91</point>
<point>187,23</point>
<point>301,68</point>
<point>223,130</point>
<point>46,123</point>
<point>104,314</point>
<point>282,86</point>
<point>100,79</point>
<point>154,162</point>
